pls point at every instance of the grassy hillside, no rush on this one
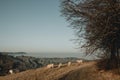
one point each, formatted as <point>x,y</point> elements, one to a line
<point>86,71</point>
<point>90,73</point>
<point>23,63</point>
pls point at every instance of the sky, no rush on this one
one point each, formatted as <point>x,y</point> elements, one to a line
<point>34,26</point>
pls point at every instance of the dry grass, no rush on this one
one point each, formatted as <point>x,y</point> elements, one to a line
<point>90,73</point>
<point>86,71</point>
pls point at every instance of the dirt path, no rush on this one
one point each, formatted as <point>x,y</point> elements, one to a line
<point>72,68</point>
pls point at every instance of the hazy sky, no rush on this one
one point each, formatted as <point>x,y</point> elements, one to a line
<point>34,26</point>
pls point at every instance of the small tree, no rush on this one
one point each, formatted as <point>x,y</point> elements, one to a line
<point>6,63</point>
<point>98,21</point>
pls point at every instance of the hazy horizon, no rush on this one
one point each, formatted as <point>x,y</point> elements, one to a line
<point>34,26</point>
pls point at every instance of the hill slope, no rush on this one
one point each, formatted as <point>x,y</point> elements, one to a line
<point>23,63</point>
<point>86,71</point>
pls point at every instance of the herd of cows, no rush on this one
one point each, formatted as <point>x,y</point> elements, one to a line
<point>60,64</point>
<point>53,65</point>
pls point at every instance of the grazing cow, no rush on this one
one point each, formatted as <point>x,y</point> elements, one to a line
<point>69,63</point>
<point>79,61</point>
<point>60,64</point>
<point>11,71</point>
<point>50,66</point>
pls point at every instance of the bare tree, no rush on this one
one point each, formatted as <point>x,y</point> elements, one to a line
<point>98,21</point>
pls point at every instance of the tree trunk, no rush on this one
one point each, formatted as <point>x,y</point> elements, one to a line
<point>118,60</point>
<point>113,62</point>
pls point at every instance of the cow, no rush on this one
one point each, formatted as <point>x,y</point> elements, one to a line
<point>50,66</point>
<point>69,63</point>
<point>79,61</point>
<point>11,71</point>
<point>60,64</point>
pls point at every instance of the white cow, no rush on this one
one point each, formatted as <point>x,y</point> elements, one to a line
<point>60,64</point>
<point>79,61</point>
<point>69,63</point>
<point>11,71</point>
<point>50,66</point>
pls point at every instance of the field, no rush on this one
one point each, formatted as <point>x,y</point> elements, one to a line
<point>85,71</point>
